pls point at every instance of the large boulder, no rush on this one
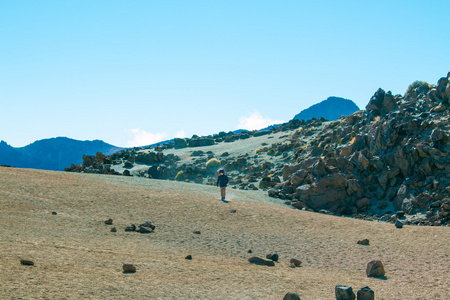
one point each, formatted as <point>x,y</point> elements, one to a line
<point>375,268</point>
<point>343,292</point>
<point>324,193</point>
<point>365,293</point>
<point>179,143</point>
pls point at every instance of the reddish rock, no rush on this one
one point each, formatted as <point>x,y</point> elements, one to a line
<point>375,268</point>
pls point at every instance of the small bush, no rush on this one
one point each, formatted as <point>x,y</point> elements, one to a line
<point>213,163</point>
<point>420,87</point>
<point>180,176</point>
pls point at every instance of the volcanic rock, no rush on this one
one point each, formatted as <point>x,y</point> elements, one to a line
<point>344,292</point>
<point>129,268</point>
<point>375,268</point>
<point>27,262</point>
<point>295,262</point>
<point>291,296</point>
<point>363,242</point>
<point>261,261</point>
<point>365,293</point>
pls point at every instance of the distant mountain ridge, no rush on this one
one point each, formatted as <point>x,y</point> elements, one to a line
<point>52,154</point>
<point>331,109</point>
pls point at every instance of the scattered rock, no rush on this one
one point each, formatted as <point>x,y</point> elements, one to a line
<point>114,229</point>
<point>365,293</point>
<point>189,257</point>
<point>375,268</point>
<point>233,211</point>
<point>344,292</point>
<point>291,296</point>
<point>250,251</point>
<point>129,268</point>
<point>273,257</point>
<point>109,222</point>
<point>398,224</point>
<point>261,261</point>
<point>54,213</point>
<point>295,262</point>
<point>132,227</point>
<point>27,262</point>
<point>197,232</point>
<point>363,242</point>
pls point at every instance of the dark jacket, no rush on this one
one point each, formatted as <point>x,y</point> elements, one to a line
<point>222,180</point>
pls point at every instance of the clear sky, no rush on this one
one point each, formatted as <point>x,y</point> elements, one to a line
<point>132,73</point>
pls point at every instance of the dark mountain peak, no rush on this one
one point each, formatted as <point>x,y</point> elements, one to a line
<point>52,153</point>
<point>331,109</point>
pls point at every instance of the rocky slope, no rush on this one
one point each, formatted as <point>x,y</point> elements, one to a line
<point>392,157</point>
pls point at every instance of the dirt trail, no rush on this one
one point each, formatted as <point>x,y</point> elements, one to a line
<point>77,257</point>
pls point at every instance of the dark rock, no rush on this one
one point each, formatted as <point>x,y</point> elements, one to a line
<point>129,268</point>
<point>261,261</point>
<point>363,242</point>
<point>365,293</point>
<point>250,251</point>
<point>291,296</point>
<point>189,257</point>
<point>232,211</point>
<point>54,213</point>
<point>398,224</point>
<point>179,143</point>
<point>126,173</point>
<point>27,262</point>
<point>344,292</point>
<point>132,227</point>
<point>109,222</point>
<point>375,268</point>
<point>273,257</point>
<point>295,262</point>
<point>197,232</point>
<point>400,214</point>
<point>114,229</point>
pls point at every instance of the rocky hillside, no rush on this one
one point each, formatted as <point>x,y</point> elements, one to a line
<point>52,154</point>
<point>331,109</point>
<point>383,163</point>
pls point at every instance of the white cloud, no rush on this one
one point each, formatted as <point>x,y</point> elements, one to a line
<point>256,121</point>
<point>180,134</point>
<point>143,138</point>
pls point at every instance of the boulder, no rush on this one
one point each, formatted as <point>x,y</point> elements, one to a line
<point>260,261</point>
<point>295,262</point>
<point>344,292</point>
<point>129,268</point>
<point>132,227</point>
<point>27,262</point>
<point>363,242</point>
<point>109,222</point>
<point>398,224</point>
<point>273,257</point>
<point>179,143</point>
<point>188,257</point>
<point>291,296</point>
<point>375,268</point>
<point>324,193</point>
<point>365,293</point>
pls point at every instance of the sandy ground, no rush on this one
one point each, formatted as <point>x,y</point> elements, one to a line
<point>76,255</point>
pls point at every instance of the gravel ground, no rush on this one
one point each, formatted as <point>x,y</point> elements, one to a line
<point>77,256</point>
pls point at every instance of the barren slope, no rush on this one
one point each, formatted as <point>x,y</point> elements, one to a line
<point>77,257</point>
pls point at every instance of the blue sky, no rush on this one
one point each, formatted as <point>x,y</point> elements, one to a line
<point>135,72</point>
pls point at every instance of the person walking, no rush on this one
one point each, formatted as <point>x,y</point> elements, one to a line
<point>222,182</point>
